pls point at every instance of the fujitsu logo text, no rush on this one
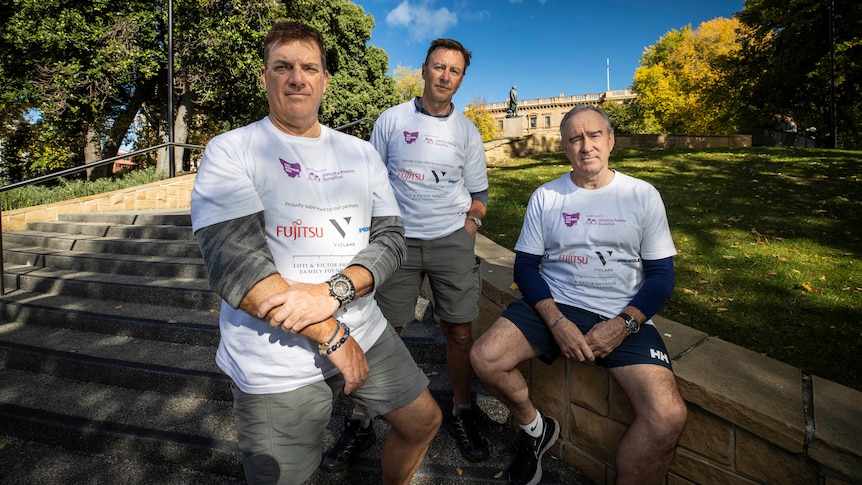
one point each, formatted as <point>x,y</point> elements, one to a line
<point>574,258</point>
<point>411,175</point>
<point>297,231</point>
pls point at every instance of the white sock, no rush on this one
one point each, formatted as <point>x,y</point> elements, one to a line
<point>535,428</point>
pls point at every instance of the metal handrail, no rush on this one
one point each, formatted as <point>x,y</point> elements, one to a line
<point>68,171</point>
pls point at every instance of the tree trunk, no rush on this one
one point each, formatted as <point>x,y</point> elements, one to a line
<point>93,153</point>
<point>181,129</point>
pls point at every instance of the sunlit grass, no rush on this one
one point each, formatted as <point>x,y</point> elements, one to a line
<point>769,243</point>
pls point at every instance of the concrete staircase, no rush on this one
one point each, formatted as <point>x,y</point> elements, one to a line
<point>108,331</point>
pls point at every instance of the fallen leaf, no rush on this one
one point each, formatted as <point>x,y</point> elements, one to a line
<point>118,307</point>
<point>459,470</point>
<point>432,374</point>
<point>513,286</point>
<point>721,309</point>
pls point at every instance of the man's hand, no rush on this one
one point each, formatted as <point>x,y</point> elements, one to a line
<point>351,361</point>
<point>605,336</point>
<point>571,341</point>
<point>298,306</point>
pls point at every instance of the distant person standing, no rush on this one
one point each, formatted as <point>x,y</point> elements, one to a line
<point>436,164</point>
<point>789,131</point>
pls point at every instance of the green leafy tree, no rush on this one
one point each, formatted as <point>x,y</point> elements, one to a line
<point>785,65</point>
<point>89,68</point>
<point>408,82</point>
<point>481,118</point>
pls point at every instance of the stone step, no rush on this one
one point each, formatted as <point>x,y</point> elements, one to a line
<point>171,232</point>
<point>128,264</point>
<point>185,248</point>
<point>108,333</point>
<point>191,293</point>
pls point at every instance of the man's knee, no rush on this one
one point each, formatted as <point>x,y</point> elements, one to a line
<point>460,334</point>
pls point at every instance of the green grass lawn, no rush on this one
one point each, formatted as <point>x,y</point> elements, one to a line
<point>769,243</point>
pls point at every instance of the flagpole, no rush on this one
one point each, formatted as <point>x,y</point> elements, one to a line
<point>609,73</point>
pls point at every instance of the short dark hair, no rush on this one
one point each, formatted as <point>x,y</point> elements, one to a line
<point>289,31</point>
<point>450,44</point>
<point>585,107</point>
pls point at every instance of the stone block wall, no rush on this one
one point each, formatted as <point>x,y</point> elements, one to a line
<point>539,143</point>
<point>751,419</point>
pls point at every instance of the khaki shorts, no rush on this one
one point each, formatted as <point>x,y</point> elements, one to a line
<point>280,435</point>
<point>452,268</point>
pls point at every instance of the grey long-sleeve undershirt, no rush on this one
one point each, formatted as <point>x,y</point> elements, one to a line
<point>237,255</point>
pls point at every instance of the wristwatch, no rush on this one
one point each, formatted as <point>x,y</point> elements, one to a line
<point>632,325</point>
<point>341,287</point>
<point>476,220</point>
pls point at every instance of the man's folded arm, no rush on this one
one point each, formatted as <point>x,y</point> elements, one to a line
<point>236,255</point>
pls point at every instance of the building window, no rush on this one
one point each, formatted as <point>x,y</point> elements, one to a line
<point>500,125</point>
<point>547,121</point>
<point>532,121</point>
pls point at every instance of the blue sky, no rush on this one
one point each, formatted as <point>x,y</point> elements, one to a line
<point>545,47</point>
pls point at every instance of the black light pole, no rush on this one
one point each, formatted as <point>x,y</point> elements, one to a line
<point>171,167</point>
<point>832,105</point>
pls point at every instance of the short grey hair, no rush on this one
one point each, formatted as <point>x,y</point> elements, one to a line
<point>581,108</point>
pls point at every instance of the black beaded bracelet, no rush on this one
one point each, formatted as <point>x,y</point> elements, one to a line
<point>327,351</point>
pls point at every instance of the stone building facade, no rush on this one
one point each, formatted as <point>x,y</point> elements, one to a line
<point>543,115</point>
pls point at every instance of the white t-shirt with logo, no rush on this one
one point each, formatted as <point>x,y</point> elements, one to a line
<point>318,196</point>
<point>593,241</point>
<point>434,164</point>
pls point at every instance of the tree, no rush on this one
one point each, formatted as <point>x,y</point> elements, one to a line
<point>408,82</point>
<point>681,80</point>
<point>481,118</point>
<point>785,64</point>
<point>89,68</point>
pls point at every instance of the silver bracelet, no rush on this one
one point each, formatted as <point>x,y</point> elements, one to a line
<point>551,327</point>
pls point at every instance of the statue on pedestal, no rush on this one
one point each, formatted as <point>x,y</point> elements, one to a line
<point>512,112</point>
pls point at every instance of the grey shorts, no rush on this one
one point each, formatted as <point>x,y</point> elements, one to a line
<point>452,268</point>
<point>280,435</point>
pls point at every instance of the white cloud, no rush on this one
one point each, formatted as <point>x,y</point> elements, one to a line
<point>422,21</point>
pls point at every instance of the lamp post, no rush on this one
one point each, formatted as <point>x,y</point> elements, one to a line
<point>832,104</point>
<point>171,167</point>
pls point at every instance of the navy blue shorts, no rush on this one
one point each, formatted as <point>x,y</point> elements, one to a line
<point>644,347</point>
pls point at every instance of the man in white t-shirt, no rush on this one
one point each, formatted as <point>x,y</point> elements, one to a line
<point>297,225</point>
<point>436,165</point>
<point>594,262</point>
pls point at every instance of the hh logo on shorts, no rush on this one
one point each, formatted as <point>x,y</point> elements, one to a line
<point>658,354</point>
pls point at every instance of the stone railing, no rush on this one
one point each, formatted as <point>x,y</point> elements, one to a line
<point>751,419</point>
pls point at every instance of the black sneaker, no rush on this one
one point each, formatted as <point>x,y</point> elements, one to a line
<point>470,442</point>
<point>526,467</point>
<point>353,441</point>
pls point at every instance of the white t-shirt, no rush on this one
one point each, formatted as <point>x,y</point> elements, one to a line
<point>593,242</point>
<point>318,196</point>
<point>434,165</point>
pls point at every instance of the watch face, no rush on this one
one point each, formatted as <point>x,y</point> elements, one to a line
<point>340,288</point>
